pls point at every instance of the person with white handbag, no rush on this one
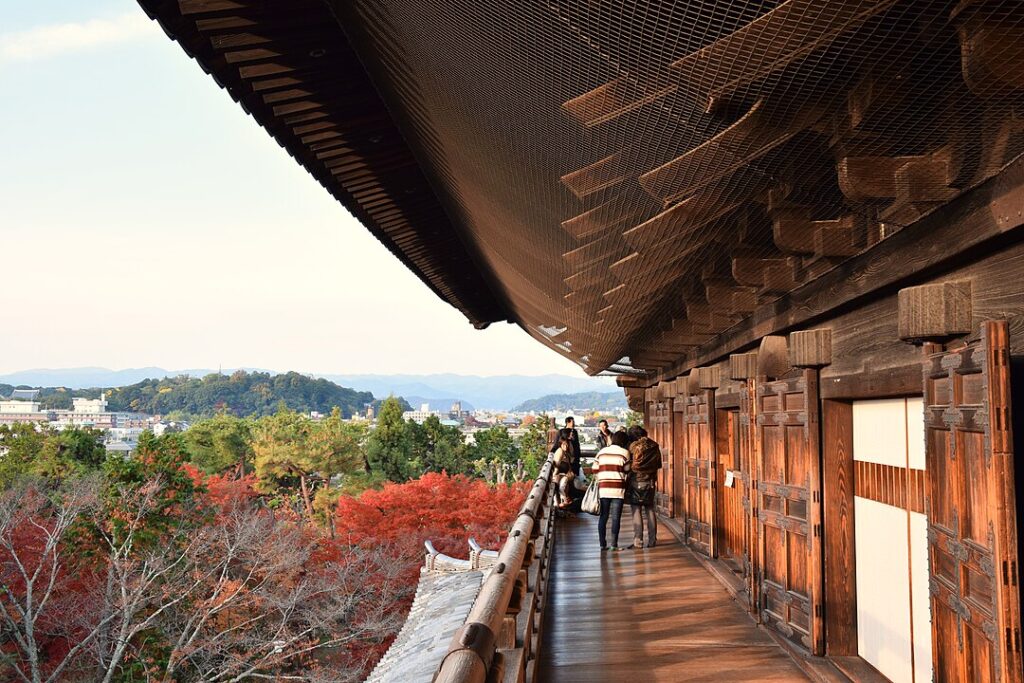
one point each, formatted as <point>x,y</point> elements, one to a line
<point>612,465</point>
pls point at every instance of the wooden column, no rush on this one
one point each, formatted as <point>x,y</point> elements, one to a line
<point>708,380</point>
<point>811,350</point>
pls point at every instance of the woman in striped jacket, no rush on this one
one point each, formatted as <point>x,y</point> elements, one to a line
<point>612,465</point>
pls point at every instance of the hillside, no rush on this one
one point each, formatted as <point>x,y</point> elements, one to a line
<point>595,400</point>
<point>240,393</point>
<point>499,392</point>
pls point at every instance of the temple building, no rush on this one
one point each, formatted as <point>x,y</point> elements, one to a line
<point>792,228</point>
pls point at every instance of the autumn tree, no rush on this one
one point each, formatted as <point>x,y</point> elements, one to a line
<point>233,594</point>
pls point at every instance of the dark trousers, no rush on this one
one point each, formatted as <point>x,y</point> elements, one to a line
<point>609,507</point>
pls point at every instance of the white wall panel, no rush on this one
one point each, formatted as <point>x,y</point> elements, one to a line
<point>880,431</point>
<point>915,432</point>
<point>883,591</point>
<point>921,603</point>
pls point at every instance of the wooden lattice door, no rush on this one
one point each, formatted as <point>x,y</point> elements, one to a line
<point>700,472</point>
<point>789,509</point>
<point>972,544</point>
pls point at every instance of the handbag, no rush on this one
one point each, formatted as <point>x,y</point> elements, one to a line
<point>591,501</point>
<point>580,482</point>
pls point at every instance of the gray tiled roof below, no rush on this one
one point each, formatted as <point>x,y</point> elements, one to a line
<point>440,608</point>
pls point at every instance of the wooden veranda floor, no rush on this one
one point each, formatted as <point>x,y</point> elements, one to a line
<point>646,615</point>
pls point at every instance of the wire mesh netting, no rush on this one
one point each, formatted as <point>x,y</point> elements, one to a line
<point>640,176</point>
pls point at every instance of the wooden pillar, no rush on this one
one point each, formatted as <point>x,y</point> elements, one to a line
<point>708,380</point>
<point>811,350</point>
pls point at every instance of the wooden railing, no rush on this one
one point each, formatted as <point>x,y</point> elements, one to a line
<point>501,636</point>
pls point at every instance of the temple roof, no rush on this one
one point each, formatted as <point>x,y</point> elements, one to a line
<point>626,181</point>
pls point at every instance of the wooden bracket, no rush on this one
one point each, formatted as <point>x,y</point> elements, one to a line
<point>773,357</point>
<point>935,312</point>
<point>810,348</point>
<point>743,366</point>
<point>709,377</point>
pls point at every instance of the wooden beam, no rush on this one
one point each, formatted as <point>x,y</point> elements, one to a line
<point>770,43</point>
<point>613,99</point>
<point>600,175</point>
<point>990,211</point>
<point>763,128</point>
<point>991,48</point>
<point>616,214</point>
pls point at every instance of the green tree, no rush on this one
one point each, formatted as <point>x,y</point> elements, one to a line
<point>221,443</point>
<point>533,446</point>
<point>634,418</point>
<point>47,452</point>
<point>443,448</point>
<point>389,447</point>
<point>293,450</point>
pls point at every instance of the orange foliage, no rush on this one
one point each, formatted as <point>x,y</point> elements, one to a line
<point>437,507</point>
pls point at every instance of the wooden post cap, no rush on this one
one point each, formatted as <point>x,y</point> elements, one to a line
<point>773,357</point>
<point>743,365</point>
<point>810,348</point>
<point>710,377</point>
<point>935,312</point>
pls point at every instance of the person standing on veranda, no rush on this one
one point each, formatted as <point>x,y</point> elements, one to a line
<point>644,463</point>
<point>604,436</point>
<point>569,432</point>
<point>612,465</point>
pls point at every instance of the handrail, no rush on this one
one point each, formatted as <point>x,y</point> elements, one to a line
<point>473,650</point>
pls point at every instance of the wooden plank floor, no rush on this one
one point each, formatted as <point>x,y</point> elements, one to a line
<point>646,616</point>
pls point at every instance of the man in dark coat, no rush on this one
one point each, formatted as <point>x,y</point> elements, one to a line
<point>569,432</point>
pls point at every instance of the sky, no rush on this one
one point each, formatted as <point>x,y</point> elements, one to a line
<point>146,220</point>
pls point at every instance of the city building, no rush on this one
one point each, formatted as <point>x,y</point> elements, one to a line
<point>22,406</point>
<point>420,416</point>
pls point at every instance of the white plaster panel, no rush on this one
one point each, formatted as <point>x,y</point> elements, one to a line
<point>922,616</point>
<point>883,592</point>
<point>880,431</point>
<point>915,432</point>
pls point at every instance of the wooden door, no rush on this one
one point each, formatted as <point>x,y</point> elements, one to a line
<point>729,494</point>
<point>700,472</point>
<point>972,537</point>
<point>789,509</point>
<point>748,458</point>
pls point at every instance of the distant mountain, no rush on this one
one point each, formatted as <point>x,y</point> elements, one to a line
<point>89,378</point>
<point>240,393</point>
<point>595,400</point>
<point>500,392</point>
